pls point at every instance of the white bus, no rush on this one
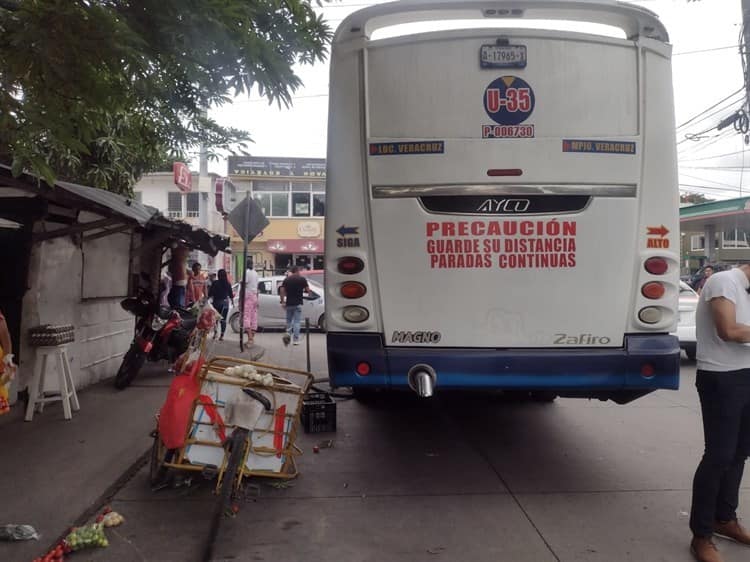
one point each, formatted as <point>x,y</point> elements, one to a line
<point>502,200</point>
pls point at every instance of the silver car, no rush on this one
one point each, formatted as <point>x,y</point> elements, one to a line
<point>271,314</point>
<point>688,303</point>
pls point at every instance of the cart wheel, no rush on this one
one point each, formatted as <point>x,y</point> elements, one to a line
<point>237,442</point>
<point>157,470</point>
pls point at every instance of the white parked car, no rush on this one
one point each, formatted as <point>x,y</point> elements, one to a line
<point>688,302</point>
<point>271,314</point>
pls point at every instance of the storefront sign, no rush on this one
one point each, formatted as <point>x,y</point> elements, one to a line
<point>308,229</point>
<point>182,176</point>
<point>287,167</point>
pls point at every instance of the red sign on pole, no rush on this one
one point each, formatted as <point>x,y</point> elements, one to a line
<point>182,177</point>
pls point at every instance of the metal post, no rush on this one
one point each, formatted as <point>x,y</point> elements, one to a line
<point>244,270</point>
<point>307,340</point>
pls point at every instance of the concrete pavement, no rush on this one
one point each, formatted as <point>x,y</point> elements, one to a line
<point>53,470</point>
<point>460,477</point>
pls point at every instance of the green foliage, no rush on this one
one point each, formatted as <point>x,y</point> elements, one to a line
<point>101,91</point>
<point>694,198</point>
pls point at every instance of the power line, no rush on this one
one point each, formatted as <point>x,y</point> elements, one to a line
<point>716,156</point>
<point>734,190</point>
<point>705,50</point>
<point>710,108</point>
<point>710,181</point>
<point>728,168</point>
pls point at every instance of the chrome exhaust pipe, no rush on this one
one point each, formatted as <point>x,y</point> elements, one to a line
<point>422,380</point>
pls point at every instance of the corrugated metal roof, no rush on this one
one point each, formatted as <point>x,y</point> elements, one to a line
<point>129,208</point>
<point>145,215</point>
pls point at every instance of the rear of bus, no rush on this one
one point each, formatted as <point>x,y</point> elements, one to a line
<point>502,203</point>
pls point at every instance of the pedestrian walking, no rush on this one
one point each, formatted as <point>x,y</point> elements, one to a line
<point>221,295</point>
<point>708,271</point>
<point>291,294</point>
<point>723,383</point>
<point>197,286</point>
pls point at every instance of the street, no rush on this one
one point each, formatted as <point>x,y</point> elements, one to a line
<point>458,477</point>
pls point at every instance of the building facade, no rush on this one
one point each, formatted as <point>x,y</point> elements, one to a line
<point>204,204</point>
<point>291,193</point>
<point>715,232</point>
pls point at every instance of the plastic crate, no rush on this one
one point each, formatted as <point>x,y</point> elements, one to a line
<point>318,413</point>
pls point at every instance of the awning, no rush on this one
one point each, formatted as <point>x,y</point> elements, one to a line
<point>295,246</point>
<point>722,215</point>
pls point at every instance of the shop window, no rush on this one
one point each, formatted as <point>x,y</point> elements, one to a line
<point>735,238</point>
<point>698,242</point>
<point>193,204</point>
<point>279,204</point>
<point>174,204</point>
<point>319,204</point>
<point>264,200</point>
<point>301,204</point>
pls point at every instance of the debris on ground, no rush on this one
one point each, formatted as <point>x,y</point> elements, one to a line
<point>17,533</point>
<point>281,484</point>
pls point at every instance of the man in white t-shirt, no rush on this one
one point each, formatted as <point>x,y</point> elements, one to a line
<point>723,383</point>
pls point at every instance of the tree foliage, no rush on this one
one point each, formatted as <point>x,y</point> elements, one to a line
<point>694,198</point>
<point>102,91</point>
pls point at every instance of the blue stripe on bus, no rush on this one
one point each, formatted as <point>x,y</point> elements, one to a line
<point>554,369</point>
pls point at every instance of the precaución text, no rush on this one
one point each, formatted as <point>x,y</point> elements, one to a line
<point>524,244</point>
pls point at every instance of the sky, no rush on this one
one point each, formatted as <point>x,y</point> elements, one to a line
<point>706,66</point>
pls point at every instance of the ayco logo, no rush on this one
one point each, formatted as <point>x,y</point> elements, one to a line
<point>504,206</point>
<point>415,337</point>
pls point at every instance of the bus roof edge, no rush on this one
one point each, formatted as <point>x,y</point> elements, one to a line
<point>634,20</point>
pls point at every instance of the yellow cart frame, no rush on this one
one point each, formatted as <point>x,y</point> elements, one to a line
<point>213,371</point>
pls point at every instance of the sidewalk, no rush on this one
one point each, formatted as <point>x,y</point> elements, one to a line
<point>52,470</point>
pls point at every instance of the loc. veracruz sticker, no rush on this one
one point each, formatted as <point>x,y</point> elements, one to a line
<point>508,101</point>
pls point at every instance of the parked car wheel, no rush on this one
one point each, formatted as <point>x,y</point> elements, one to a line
<point>690,352</point>
<point>322,322</point>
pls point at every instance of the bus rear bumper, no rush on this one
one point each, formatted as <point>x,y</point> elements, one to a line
<point>645,363</point>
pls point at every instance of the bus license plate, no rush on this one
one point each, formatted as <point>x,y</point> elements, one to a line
<point>502,56</point>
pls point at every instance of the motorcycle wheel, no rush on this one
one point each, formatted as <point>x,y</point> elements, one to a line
<point>131,364</point>
<point>234,322</point>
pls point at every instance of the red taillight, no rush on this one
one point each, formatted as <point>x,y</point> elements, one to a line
<point>350,265</point>
<point>653,290</point>
<point>353,290</point>
<point>363,368</point>
<point>647,370</point>
<point>656,266</point>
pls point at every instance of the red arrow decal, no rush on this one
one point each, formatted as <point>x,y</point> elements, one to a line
<point>657,230</point>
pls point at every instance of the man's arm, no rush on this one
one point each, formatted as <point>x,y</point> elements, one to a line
<point>724,316</point>
<point>282,293</point>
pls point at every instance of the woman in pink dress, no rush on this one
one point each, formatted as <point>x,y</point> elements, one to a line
<point>251,305</point>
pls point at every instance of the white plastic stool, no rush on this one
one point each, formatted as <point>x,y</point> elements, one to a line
<point>67,395</point>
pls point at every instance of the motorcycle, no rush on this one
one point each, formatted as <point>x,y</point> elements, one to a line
<point>160,333</point>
